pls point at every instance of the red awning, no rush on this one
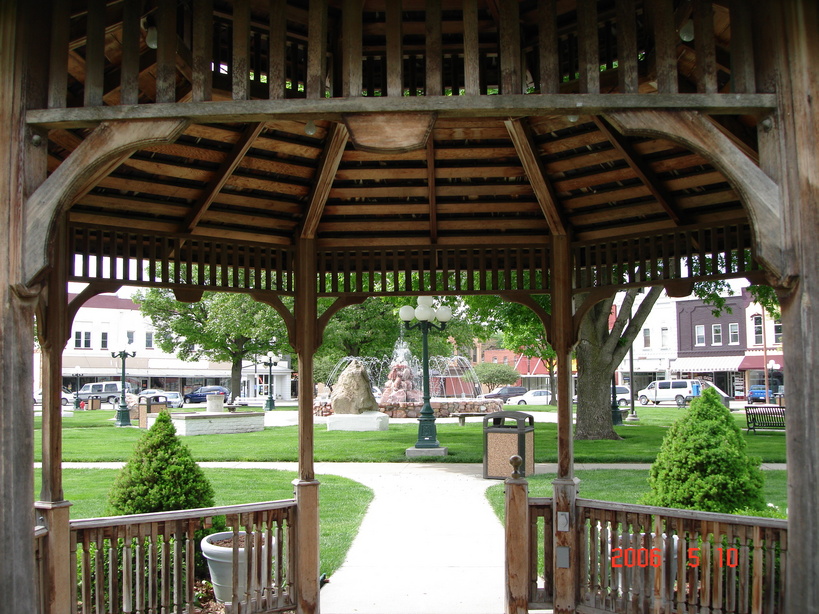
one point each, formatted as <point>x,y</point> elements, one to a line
<point>759,361</point>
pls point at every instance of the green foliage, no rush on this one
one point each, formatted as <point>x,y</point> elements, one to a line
<point>703,463</point>
<point>494,374</point>
<point>160,476</point>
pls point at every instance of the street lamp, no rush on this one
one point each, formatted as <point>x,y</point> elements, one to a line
<point>77,375</point>
<point>772,366</point>
<point>272,361</point>
<point>123,416</point>
<point>425,314</point>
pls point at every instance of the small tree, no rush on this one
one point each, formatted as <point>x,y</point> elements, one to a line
<point>494,374</point>
<point>703,463</point>
<point>160,476</point>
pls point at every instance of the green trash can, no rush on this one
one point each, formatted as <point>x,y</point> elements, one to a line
<point>505,434</point>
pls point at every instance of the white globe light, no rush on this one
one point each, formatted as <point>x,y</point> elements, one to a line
<point>406,313</point>
<point>424,314</point>
<point>444,313</point>
<point>425,301</point>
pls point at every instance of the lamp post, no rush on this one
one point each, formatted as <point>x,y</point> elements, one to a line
<point>77,375</point>
<point>123,416</point>
<point>272,360</point>
<point>772,366</point>
<point>616,416</point>
<point>425,314</point>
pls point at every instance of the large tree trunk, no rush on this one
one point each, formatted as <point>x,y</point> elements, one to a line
<point>235,378</point>
<point>599,351</point>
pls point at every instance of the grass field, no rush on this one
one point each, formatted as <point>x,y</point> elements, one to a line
<point>91,437</point>
<point>343,501</point>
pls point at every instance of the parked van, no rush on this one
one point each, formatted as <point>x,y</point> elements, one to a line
<point>676,391</point>
<point>109,392</point>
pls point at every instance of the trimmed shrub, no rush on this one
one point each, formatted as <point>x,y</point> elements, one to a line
<point>160,476</point>
<point>703,463</point>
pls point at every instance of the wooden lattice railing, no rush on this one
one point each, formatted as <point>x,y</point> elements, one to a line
<point>541,552</point>
<point>636,558</point>
<point>102,53</point>
<point>145,563</point>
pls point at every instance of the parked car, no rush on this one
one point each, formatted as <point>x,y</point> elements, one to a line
<point>670,390</point>
<point>109,392</point>
<point>757,393</point>
<point>174,399</point>
<point>623,396</point>
<point>200,395</point>
<point>531,397</point>
<point>67,397</point>
<point>505,392</point>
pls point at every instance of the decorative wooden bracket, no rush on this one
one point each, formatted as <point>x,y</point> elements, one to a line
<point>92,159</point>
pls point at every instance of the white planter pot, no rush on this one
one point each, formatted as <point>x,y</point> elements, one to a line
<point>220,564</point>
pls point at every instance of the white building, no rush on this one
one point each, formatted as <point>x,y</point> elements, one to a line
<point>109,323</point>
<point>655,348</point>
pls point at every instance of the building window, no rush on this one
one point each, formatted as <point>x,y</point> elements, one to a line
<point>716,334</point>
<point>103,341</point>
<point>82,340</point>
<point>664,337</point>
<point>778,332</point>
<point>733,333</point>
<point>130,337</point>
<point>757,330</point>
<point>699,334</point>
<point>149,341</point>
<point>646,337</point>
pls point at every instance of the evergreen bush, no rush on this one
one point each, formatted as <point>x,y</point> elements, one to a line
<point>703,463</point>
<point>160,476</point>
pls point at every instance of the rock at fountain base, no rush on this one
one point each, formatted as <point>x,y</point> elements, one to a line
<point>415,452</point>
<point>365,421</point>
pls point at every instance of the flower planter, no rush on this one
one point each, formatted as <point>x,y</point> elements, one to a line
<point>220,564</point>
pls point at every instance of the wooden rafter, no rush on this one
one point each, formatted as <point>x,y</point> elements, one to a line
<point>433,204</point>
<point>641,169</point>
<point>337,137</point>
<point>222,175</point>
<point>521,135</point>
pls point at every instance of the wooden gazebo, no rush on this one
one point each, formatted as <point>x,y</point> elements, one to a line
<point>349,148</point>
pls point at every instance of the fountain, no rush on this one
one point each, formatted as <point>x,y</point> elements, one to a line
<point>454,386</point>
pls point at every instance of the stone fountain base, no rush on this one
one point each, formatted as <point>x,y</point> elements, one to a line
<point>365,421</point>
<point>441,408</point>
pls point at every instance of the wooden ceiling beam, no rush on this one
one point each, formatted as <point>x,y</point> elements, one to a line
<point>229,165</point>
<point>337,137</point>
<point>521,135</point>
<point>433,204</point>
<point>641,169</point>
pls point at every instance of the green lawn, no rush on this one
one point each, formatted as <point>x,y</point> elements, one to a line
<point>343,501</point>
<point>91,437</point>
<point>625,487</point>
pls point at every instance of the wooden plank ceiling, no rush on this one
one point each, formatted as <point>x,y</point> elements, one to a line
<point>481,181</point>
<point>471,184</point>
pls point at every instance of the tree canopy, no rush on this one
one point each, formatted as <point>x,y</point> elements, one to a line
<point>222,327</point>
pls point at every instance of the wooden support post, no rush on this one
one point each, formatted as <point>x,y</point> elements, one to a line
<point>517,542</point>
<point>307,546</point>
<point>53,327</point>
<point>57,589</point>
<point>788,153</point>
<point>306,343</point>
<point>24,49</point>
<point>565,486</point>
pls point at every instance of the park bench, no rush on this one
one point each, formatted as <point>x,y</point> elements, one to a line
<point>462,416</point>
<point>765,417</point>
